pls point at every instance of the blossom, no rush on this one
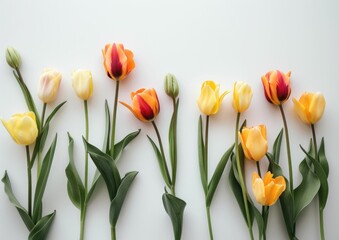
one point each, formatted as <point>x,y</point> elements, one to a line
<point>82,83</point>
<point>254,142</point>
<point>276,86</point>
<point>13,58</point>
<point>242,96</point>
<point>49,85</point>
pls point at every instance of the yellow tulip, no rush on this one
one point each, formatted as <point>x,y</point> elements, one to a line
<point>242,96</point>
<point>49,85</point>
<point>267,191</point>
<point>254,142</point>
<point>82,83</point>
<point>310,107</point>
<point>22,127</point>
<point>209,100</point>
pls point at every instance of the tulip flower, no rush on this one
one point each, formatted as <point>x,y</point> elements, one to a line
<point>118,62</point>
<point>254,143</point>
<point>22,127</point>
<point>209,100</point>
<point>277,86</point>
<point>171,85</point>
<point>145,104</point>
<point>49,85</point>
<point>13,58</point>
<point>242,96</point>
<point>310,107</point>
<point>82,83</point>
<point>267,191</point>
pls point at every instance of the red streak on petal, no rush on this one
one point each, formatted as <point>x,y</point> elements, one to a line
<point>145,110</point>
<point>282,87</point>
<point>116,67</point>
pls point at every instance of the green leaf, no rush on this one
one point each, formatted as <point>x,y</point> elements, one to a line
<point>175,209</point>
<point>96,178</point>
<point>106,145</point>
<point>307,190</point>
<point>106,167</point>
<point>172,140</point>
<point>162,163</point>
<point>41,229</point>
<point>42,180</point>
<point>56,109</point>
<point>212,186</point>
<point>322,157</point>
<point>22,211</point>
<point>118,200</point>
<point>257,215</point>
<point>40,143</point>
<point>202,161</point>
<point>277,146</point>
<point>120,146</point>
<point>75,187</point>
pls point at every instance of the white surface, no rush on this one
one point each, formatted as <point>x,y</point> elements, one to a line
<point>196,40</point>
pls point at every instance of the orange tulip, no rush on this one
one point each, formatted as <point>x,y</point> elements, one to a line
<point>145,104</point>
<point>118,62</point>
<point>277,86</point>
<point>310,107</point>
<point>254,142</point>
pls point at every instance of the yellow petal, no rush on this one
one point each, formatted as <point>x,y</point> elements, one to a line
<point>301,111</point>
<point>258,189</point>
<point>317,107</point>
<point>256,144</point>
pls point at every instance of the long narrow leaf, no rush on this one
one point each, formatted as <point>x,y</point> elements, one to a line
<point>202,162</point>
<point>277,146</point>
<point>120,146</point>
<point>39,143</point>
<point>322,157</point>
<point>172,140</point>
<point>56,109</point>
<point>106,146</point>
<point>41,229</point>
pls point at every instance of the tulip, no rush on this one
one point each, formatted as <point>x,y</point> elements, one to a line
<point>82,83</point>
<point>118,62</point>
<point>276,86</point>
<point>145,104</point>
<point>242,96</point>
<point>171,85</point>
<point>254,142</point>
<point>13,58</point>
<point>22,127</point>
<point>209,100</point>
<point>49,85</point>
<point>310,107</point>
<point>267,191</point>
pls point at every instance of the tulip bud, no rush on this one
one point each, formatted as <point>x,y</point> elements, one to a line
<point>82,83</point>
<point>145,104</point>
<point>49,85</point>
<point>253,142</point>
<point>13,58</point>
<point>310,107</point>
<point>268,190</point>
<point>242,96</point>
<point>22,128</point>
<point>171,85</point>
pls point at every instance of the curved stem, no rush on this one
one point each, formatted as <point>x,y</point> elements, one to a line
<point>241,178</point>
<point>209,222</point>
<point>29,175</point>
<point>174,163</point>
<point>114,117</point>
<point>288,149</point>
<point>113,234</point>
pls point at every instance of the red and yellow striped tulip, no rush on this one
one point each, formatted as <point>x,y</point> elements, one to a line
<point>276,86</point>
<point>310,107</point>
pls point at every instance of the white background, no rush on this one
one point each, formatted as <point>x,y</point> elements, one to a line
<point>196,40</point>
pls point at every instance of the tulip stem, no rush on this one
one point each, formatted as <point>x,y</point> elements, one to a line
<point>206,144</point>
<point>42,126</point>
<point>174,163</point>
<point>209,222</point>
<point>114,117</point>
<point>288,149</point>
<point>86,154</point>
<point>241,178</point>
<point>113,234</point>
<point>258,168</point>
<point>29,175</point>
<point>43,115</point>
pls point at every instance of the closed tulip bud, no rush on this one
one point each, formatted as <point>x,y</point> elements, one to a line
<point>253,142</point>
<point>267,191</point>
<point>242,96</point>
<point>276,86</point>
<point>13,58</point>
<point>171,85</point>
<point>82,83</point>
<point>310,107</point>
<point>209,100</point>
<point>118,62</point>
<point>145,104</point>
<point>49,85</point>
<point>22,127</point>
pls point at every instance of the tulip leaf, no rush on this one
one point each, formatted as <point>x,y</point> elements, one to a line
<point>120,146</point>
<point>322,157</point>
<point>202,160</point>
<point>42,180</point>
<point>41,229</point>
<point>212,186</point>
<point>162,163</point>
<point>39,143</point>
<point>56,109</point>
<point>22,211</point>
<point>277,146</point>
<point>107,129</point>
<point>174,207</point>
<point>75,187</point>
<point>106,167</point>
<point>172,140</point>
<point>119,198</point>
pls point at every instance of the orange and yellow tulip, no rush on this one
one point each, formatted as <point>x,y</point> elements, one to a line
<point>277,86</point>
<point>254,142</point>
<point>118,62</point>
<point>310,107</point>
<point>267,191</point>
<point>145,104</point>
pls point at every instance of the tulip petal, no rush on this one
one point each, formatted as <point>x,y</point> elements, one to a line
<point>256,144</point>
<point>258,189</point>
<point>317,107</point>
<point>207,101</point>
<point>300,110</point>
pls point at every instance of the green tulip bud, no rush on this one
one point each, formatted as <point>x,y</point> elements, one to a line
<point>171,85</point>
<point>13,58</point>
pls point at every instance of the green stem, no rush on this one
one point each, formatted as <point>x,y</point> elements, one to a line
<point>258,168</point>
<point>43,115</point>
<point>114,117</point>
<point>288,150</point>
<point>315,143</point>
<point>206,146</point>
<point>29,175</point>
<point>264,214</point>
<point>209,222</point>
<point>321,216</point>
<point>241,178</point>
<point>174,164</point>
<point>113,234</point>
<point>86,154</point>
<point>82,221</point>
<point>42,126</point>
